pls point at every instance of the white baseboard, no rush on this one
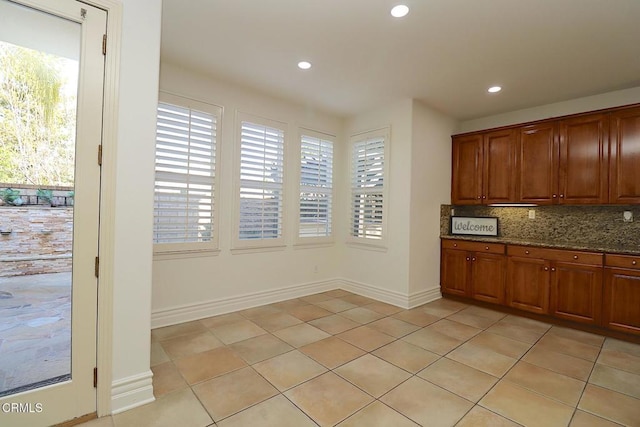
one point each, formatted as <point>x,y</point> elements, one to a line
<point>396,298</point>
<point>187,313</point>
<point>384,295</point>
<point>190,312</point>
<point>131,392</point>
<point>422,297</point>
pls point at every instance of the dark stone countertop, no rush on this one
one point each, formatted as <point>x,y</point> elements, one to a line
<point>592,247</point>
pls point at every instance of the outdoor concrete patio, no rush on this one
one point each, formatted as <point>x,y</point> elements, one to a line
<point>35,330</point>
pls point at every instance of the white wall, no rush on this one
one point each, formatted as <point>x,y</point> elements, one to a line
<point>139,65</point>
<point>188,288</point>
<point>573,106</point>
<point>430,187</point>
<point>389,269</point>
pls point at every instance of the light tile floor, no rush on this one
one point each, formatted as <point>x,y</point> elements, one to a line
<point>337,358</point>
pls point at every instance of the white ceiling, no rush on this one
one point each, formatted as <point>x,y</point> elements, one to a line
<point>445,53</point>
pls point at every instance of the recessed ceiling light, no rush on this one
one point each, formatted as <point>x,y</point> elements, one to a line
<point>494,89</point>
<point>304,65</point>
<point>399,11</point>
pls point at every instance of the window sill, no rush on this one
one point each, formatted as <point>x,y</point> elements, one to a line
<point>257,249</point>
<point>301,244</point>
<point>168,255</point>
<point>379,247</point>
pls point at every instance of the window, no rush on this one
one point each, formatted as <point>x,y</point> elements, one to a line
<point>367,187</point>
<point>261,182</point>
<point>316,185</point>
<point>185,172</point>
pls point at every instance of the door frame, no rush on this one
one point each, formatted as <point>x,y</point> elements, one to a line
<point>104,341</point>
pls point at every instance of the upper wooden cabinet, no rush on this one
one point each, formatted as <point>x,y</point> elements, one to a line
<point>564,161</point>
<point>466,185</point>
<point>538,163</point>
<point>483,168</point>
<point>625,157</point>
<point>582,159</point>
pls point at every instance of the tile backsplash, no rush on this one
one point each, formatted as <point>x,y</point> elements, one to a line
<point>575,224</point>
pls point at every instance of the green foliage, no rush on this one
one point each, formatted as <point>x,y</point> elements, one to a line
<point>11,196</point>
<point>37,118</point>
<point>46,195</point>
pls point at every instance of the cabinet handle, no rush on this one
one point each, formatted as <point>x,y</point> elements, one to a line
<point>526,252</point>
<point>546,269</point>
<point>575,257</point>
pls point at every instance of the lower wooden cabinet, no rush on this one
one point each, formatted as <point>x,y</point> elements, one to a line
<point>621,309</point>
<point>562,283</point>
<point>487,273</point>
<point>528,284</point>
<point>472,269</point>
<point>585,287</point>
<point>572,285</point>
<point>576,292</point>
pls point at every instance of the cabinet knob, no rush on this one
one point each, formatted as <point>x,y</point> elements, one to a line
<point>473,259</point>
<point>478,197</point>
<point>555,196</point>
<point>546,269</point>
<point>484,197</point>
<point>455,245</point>
<point>468,258</point>
<point>553,269</point>
<point>634,262</point>
<point>575,257</point>
<point>486,248</point>
<point>562,196</point>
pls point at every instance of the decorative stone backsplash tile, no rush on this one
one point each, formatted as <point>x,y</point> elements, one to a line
<point>597,226</point>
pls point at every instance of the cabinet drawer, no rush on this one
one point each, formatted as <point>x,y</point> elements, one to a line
<point>623,261</point>
<point>466,245</point>
<point>561,255</point>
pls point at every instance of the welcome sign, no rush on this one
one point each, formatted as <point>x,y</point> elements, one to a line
<point>474,226</point>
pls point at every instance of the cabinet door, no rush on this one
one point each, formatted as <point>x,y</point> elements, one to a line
<point>584,160</point>
<point>466,185</point>
<point>537,160</point>
<point>625,157</point>
<point>528,284</point>
<point>576,292</point>
<point>621,310</point>
<point>487,277</point>
<point>498,178</point>
<point>454,272</point>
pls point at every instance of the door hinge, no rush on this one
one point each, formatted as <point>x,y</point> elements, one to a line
<point>97,266</point>
<point>100,155</point>
<point>104,44</point>
<point>95,377</point>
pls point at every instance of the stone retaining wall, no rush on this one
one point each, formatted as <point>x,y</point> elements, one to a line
<point>35,240</point>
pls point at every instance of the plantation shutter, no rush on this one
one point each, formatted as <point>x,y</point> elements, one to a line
<point>316,186</point>
<point>367,183</point>
<point>261,181</point>
<point>184,175</point>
